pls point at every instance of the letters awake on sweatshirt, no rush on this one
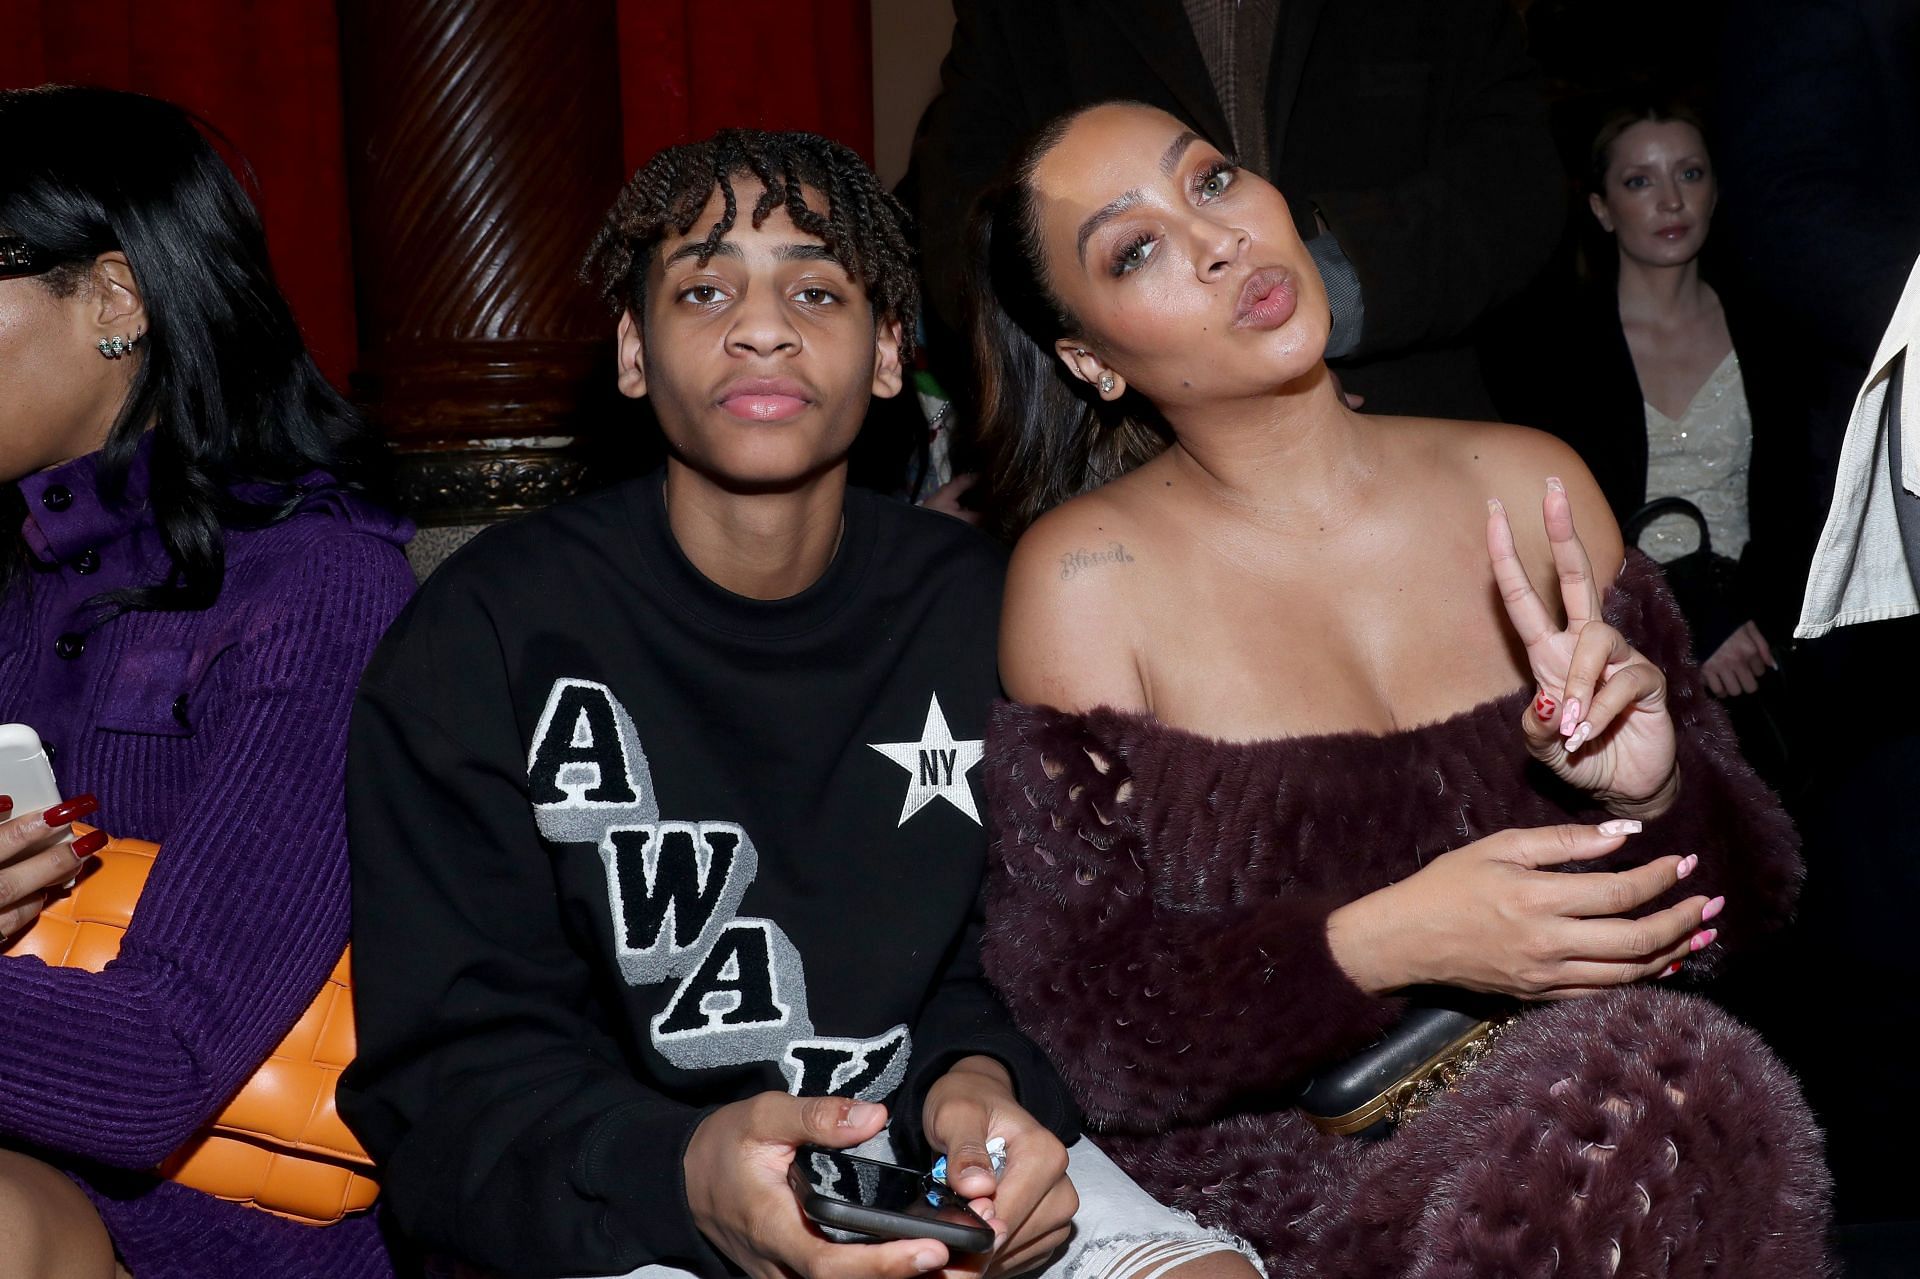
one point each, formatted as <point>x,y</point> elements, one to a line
<point>628,847</point>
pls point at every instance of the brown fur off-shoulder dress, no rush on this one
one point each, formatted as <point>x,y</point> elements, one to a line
<point>1157,906</point>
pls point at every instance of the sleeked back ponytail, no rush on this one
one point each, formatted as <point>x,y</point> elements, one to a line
<point>1045,434</point>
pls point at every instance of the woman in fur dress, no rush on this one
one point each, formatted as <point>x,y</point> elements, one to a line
<point>1296,732</point>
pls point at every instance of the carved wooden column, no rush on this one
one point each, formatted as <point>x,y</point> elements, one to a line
<point>483,148</point>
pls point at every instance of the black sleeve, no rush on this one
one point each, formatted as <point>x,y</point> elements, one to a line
<point>1436,251</point>
<point>1817,224</point>
<point>965,1019</point>
<point>509,1131</point>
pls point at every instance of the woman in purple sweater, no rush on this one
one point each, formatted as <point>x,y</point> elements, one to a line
<point>187,595</point>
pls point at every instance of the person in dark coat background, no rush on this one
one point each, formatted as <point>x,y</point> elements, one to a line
<point>1407,135</point>
<point>1574,370</point>
<point>1819,152</point>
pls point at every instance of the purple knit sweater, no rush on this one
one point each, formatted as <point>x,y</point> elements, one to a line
<point>221,734</point>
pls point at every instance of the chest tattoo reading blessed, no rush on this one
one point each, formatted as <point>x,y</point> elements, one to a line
<point>1076,562</point>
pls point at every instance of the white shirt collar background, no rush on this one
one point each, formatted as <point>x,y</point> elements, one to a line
<point>1860,568</point>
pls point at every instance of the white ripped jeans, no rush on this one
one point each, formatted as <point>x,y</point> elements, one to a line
<point>1120,1232</point>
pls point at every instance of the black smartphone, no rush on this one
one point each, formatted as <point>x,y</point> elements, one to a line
<point>883,1200</point>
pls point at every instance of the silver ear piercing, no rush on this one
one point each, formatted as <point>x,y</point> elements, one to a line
<point>1106,384</point>
<point>116,346</point>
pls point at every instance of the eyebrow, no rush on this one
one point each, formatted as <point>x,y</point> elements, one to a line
<point>1100,217</point>
<point>807,252</point>
<point>1691,157</point>
<point>1169,161</point>
<point>798,251</point>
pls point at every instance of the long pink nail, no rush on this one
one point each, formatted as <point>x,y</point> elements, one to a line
<point>1580,736</point>
<point>1670,969</point>
<point>1712,908</point>
<point>1619,826</point>
<point>1684,869</point>
<point>1704,939</point>
<point>1569,716</point>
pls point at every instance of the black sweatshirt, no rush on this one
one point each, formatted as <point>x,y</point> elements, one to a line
<point>627,847</point>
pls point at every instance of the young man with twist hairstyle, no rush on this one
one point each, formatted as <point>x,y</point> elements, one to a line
<point>665,824</point>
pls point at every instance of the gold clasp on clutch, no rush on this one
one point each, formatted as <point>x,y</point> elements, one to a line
<point>1407,1098</point>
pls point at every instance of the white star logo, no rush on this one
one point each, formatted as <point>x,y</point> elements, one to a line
<point>937,764</point>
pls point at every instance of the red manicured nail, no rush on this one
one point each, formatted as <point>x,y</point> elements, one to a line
<point>6,803</point>
<point>1671,969</point>
<point>1712,908</point>
<point>69,809</point>
<point>1704,938</point>
<point>1544,707</point>
<point>88,844</point>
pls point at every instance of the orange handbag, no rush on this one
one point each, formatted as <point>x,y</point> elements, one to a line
<point>279,1145</point>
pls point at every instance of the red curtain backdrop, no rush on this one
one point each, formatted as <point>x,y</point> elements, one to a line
<point>264,73</point>
<point>688,67</point>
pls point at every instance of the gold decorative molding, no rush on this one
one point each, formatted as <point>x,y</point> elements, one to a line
<point>458,486</point>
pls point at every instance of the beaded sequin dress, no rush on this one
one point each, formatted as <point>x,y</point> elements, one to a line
<point>1704,457</point>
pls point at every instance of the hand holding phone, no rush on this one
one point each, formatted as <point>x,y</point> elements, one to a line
<point>736,1168</point>
<point>26,775</point>
<point>1028,1199</point>
<point>36,854</point>
<point>884,1201</point>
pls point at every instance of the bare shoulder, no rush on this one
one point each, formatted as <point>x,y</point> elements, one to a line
<point>1513,463</point>
<point>1068,627</point>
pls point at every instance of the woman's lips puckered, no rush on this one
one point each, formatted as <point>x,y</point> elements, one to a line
<point>1267,299</point>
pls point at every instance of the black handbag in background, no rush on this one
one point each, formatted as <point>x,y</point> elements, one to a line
<point>1707,587</point>
<point>1705,583</point>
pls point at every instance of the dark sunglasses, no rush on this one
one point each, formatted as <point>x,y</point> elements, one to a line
<point>18,258</point>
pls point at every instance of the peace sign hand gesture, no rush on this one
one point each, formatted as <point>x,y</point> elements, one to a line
<point>1599,719</point>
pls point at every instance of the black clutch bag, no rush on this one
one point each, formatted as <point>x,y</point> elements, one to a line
<point>1444,1034</point>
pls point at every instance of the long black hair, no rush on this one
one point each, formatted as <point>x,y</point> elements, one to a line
<point>1045,435</point>
<point>224,377</point>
